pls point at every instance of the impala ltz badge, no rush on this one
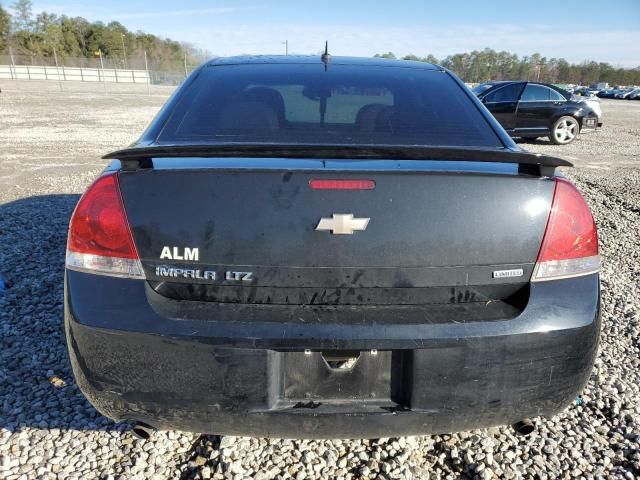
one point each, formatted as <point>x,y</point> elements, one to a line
<point>342,224</point>
<point>197,274</point>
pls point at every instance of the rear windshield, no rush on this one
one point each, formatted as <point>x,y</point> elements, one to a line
<point>295,104</point>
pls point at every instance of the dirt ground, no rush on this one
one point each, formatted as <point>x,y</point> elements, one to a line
<point>53,141</point>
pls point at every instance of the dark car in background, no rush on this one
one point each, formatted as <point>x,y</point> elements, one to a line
<point>344,247</point>
<point>586,91</point>
<point>628,93</point>
<point>609,92</point>
<point>533,109</point>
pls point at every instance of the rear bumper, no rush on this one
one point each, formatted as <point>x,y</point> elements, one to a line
<point>141,358</point>
<point>591,122</point>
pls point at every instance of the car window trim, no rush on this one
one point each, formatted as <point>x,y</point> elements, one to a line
<point>500,88</point>
<point>539,101</point>
<point>563,98</point>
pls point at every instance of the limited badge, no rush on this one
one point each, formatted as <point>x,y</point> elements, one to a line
<point>515,272</point>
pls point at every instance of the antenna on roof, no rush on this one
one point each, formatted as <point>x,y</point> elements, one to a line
<point>325,56</point>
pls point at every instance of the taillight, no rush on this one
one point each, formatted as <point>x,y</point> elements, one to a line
<point>99,239</point>
<point>570,244</point>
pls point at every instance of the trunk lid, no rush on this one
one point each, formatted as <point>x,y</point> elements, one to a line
<point>433,236</point>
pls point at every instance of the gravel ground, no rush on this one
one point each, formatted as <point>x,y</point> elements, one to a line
<point>52,142</point>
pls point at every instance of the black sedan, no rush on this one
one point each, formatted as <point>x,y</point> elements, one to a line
<point>532,109</point>
<point>330,247</point>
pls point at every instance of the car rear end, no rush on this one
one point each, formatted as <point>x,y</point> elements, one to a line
<point>358,290</point>
<point>592,117</point>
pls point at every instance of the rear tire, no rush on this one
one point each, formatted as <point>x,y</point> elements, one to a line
<point>564,130</point>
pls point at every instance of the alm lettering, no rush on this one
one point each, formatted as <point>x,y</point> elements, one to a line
<point>173,253</point>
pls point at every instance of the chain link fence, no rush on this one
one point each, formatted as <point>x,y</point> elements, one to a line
<point>101,68</point>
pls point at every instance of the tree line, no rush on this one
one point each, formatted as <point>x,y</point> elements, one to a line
<point>481,65</point>
<point>45,34</point>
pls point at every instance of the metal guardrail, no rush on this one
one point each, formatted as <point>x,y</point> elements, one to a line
<point>99,69</point>
<point>62,73</point>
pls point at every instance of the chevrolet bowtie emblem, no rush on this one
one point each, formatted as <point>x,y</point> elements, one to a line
<point>342,224</point>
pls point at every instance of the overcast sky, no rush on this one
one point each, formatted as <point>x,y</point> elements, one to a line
<point>576,30</point>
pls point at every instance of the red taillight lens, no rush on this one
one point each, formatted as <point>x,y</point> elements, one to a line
<point>99,236</point>
<point>99,224</point>
<point>328,184</point>
<point>570,243</point>
<point>571,231</point>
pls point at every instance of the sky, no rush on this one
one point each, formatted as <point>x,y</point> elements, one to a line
<point>575,30</point>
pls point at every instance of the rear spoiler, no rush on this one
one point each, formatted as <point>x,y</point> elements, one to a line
<point>136,157</point>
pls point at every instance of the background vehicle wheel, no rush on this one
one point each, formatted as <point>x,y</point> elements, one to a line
<point>564,131</point>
